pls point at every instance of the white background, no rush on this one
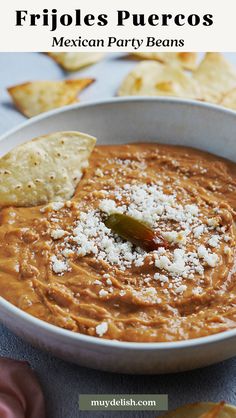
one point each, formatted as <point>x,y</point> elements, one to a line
<point>218,37</point>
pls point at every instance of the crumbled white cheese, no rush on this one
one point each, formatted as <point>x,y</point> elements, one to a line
<point>227,250</point>
<point>99,172</point>
<point>59,266</point>
<point>198,231</point>
<point>108,206</point>
<point>97,282</point>
<point>210,258</point>
<point>181,289</point>
<point>193,209</point>
<point>17,268</point>
<point>103,292</point>
<point>197,290</point>
<point>214,241</point>
<point>57,205</point>
<point>122,293</point>
<point>174,236</point>
<point>183,225</point>
<point>102,328</point>
<point>148,294</point>
<point>161,277</point>
<point>214,222</point>
<point>106,276</point>
<point>67,252</point>
<point>176,266</point>
<point>58,233</point>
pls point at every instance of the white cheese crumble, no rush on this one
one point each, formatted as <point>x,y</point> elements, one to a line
<point>67,252</point>
<point>181,289</point>
<point>102,328</point>
<point>57,205</point>
<point>214,241</point>
<point>161,277</point>
<point>173,236</point>
<point>209,258</point>
<point>58,233</point>
<point>97,282</point>
<point>99,172</point>
<point>103,293</point>
<point>192,246</point>
<point>198,231</point>
<point>197,290</point>
<point>214,222</point>
<point>227,250</point>
<point>177,266</point>
<point>59,266</point>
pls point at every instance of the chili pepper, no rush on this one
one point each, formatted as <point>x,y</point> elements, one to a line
<point>138,233</point>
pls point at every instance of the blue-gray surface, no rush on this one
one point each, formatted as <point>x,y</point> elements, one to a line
<point>63,382</point>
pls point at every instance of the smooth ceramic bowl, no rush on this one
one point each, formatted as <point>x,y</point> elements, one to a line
<point>171,121</point>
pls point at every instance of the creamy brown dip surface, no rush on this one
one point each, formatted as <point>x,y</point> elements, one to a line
<point>61,263</point>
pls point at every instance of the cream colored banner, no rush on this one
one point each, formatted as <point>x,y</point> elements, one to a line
<point>86,25</point>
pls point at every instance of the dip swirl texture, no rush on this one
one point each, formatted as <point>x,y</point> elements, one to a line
<point>62,264</point>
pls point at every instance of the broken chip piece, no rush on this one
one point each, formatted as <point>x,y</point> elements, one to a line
<point>216,76</point>
<point>41,96</point>
<point>152,78</point>
<point>73,61</point>
<point>229,99</point>
<point>203,410</point>
<point>186,60</point>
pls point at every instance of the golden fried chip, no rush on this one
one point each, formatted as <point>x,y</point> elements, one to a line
<point>45,169</point>
<point>203,410</point>
<point>214,411</point>
<point>73,61</point>
<point>229,99</point>
<point>216,76</point>
<point>150,78</point>
<point>40,96</point>
<point>186,60</point>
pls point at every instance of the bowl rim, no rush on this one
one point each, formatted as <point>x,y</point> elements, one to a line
<point>98,341</point>
<point>111,101</point>
<point>77,337</point>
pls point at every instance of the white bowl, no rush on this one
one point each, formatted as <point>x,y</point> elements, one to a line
<point>173,121</point>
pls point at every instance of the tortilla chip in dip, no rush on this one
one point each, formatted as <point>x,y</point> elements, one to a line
<point>151,78</point>
<point>41,96</point>
<point>186,60</point>
<point>216,76</point>
<point>203,410</point>
<point>229,99</point>
<point>73,61</point>
<point>45,169</point>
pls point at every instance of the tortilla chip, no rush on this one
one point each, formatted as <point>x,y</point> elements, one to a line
<point>73,61</point>
<point>229,99</point>
<point>214,411</point>
<point>40,96</point>
<point>45,169</point>
<point>150,78</point>
<point>186,60</point>
<point>203,410</point>
<point>216,76</point>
